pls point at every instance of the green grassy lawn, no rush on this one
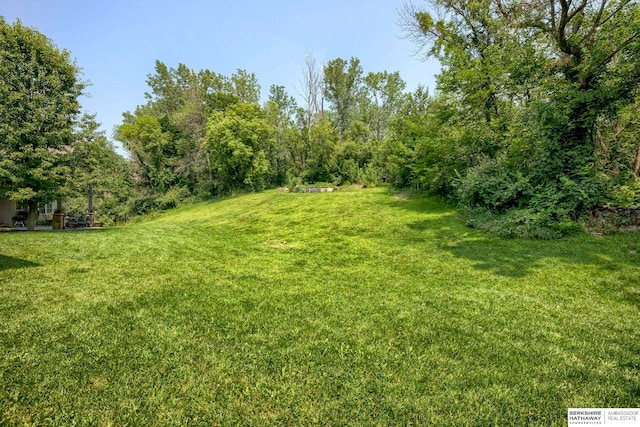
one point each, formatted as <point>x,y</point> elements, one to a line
<point>351,308</point>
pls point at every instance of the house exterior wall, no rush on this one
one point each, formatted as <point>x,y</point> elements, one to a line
<point>7,212</point>
<point>9,209</point>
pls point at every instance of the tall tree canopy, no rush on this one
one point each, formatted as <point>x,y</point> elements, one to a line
<point>341,87</point>
<point>204,133</point>
<point>239,145</point>
<point>39,92</point>
<point>528,86</point>
<point>98,170</point>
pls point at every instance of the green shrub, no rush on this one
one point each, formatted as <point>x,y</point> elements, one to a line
<point>493,186</point>
<point>349,172</point>
<point>173,197</point>
<point>370,176</point>
<point>495,198</point>
<point>626,195</point>
<point>524,223</point>
<point>294,183</point>
<point>143,205</point>
<point>567,198</point>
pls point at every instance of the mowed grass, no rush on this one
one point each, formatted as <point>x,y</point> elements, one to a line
<point>351,308</point>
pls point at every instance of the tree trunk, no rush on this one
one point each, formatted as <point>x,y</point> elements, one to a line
<point>90,198</point>
<point>32,217</point>
<point>636,166</point>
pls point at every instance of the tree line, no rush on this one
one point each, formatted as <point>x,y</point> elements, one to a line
<point>534,122</point>
<point>538,104</point>
<point>203,133</point>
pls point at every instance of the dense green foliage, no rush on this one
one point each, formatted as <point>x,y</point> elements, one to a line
<point>534,122</point>
<point>351,308</point>
<point>539,104</point>
<point>202,133</point>
<point>39,92</point>
<point>97,168</point>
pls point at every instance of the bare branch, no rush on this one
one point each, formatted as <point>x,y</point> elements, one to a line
<point>577,10</point>
<point>311,90</point>
<point>619,49</point>
<point>425,39</point>
<point>615,12</point>
<point>561,35</point>
<point>408,21</point>
<point>596,23</point>
<point>503,10</point>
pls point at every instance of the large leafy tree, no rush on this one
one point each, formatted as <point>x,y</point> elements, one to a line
<point>579,57</point>
<point>240,144</point>
<point>97,172</point>
<point>181,100</point>
<point>39,92</point>
<point>165,136</point>
<point>532,81</point>
<point>342,87</point>
<point>592,68</point>
<point>281,111</point>
<point>384,99</point>
<point>245,86</point>
<point>152,150</point>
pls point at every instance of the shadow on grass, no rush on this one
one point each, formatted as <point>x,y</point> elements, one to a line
<point>507,258</point>
<point>514,257</point>
<point>520,257</point>
<point>7,263</point>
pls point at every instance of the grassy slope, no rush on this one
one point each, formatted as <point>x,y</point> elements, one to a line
<point>345,308</point>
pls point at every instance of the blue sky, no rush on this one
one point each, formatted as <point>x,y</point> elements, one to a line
<point>117,42</point>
